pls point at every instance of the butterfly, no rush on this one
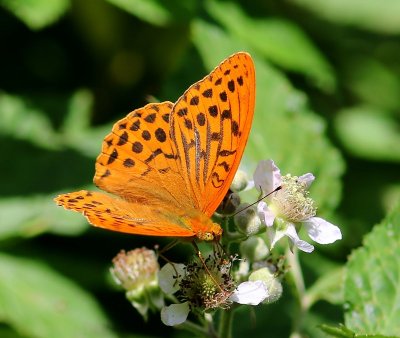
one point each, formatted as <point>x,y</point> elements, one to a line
<point>168,165</point>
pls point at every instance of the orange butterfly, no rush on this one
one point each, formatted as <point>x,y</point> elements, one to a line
<point>170,165</point>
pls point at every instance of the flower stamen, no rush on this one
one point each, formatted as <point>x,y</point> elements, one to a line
<point>292,202</point>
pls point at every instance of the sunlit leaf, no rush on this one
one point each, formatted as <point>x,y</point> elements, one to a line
<point>373,82</point>
<point>372,280</point>
<point>37,302</point>
<point>343,332</point>
<point>19,120</point>
<point>152,11</point>
<point>79,112</point>
<point>31,216</point>
<point>328,287</point>
<point>37,14</point>
<point>158,12</point>
<point>281,41</point>
<point>369,133</point>
<point>380,16</point>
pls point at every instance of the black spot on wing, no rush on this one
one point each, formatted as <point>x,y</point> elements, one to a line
<point>123,139</point>
<point>208,93</point>
<point>150,118</point>
<point>223,96</point>
<point>213,110</point>
<point>113,156</point>
<point>137,147</point>
<point>194,101</point>
<point>160,134</point>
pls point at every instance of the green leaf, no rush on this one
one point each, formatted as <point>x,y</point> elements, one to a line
<point>37,14</point>
<point>151,11</point>
<point>276,39</point>
<point>205,35</point>
<point>31,216</point>
<point>329,287</point>
<point>19,120</point>
<point>372,281</point>
<point>158,12</point>
<point>369,133</point>
<point>381,16</point>
<point>37,302</point>
<point>343,332</point>
<point>373,82</point>
<point>76,131</point>
<point>7,332</point>
<point>79,112</point>
<point>391,196</point>
<point>283,129</point>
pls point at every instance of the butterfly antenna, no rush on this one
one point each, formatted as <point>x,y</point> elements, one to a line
<point>259,200</point>
<point>199,254</point>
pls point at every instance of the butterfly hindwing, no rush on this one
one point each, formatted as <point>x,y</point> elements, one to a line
<point>116,214</point>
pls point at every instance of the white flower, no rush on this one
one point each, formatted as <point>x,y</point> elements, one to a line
<point>175,314</point>
<point>250,293</point>
<point>290,207</point>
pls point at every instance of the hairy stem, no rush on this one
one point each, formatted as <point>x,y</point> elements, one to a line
<point>195,329</point>
<point>225,324</point>
<point>298,289</point>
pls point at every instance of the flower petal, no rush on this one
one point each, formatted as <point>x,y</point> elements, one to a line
<point>267,176</point>
<point>265,214</point>
<point>322,231</point>
<point>175,314</point>
<point>274,236</point>
<point>307,178</point>
<point>250,293</point>
<point>168,277</point>
<point>302,245</point>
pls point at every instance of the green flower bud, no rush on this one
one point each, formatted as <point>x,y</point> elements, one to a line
<point>240,181</point>
<point>272,283</point>
<point>254,249</point>
<point>229,204</point>
<point>247,221</point>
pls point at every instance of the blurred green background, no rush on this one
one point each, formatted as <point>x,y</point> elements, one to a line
<point>328,102</point>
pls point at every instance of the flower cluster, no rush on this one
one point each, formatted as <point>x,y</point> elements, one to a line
<point>220,280</point>
<point>206,285</point>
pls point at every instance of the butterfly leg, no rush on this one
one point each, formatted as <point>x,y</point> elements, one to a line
<point>160,253</point>
<point>169,246</point>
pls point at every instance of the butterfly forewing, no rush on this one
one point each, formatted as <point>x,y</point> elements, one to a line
<point>138,159</point>
<point>210,124</point>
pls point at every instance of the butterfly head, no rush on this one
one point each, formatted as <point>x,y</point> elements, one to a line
<point>206,229</point>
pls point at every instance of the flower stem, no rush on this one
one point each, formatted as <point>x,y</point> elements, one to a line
<point>298,290</point>
<point>194,328</point>
<point>225,324</point>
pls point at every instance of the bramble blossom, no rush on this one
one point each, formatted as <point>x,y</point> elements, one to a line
<point>289,208</point>
<point>203,289</point>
